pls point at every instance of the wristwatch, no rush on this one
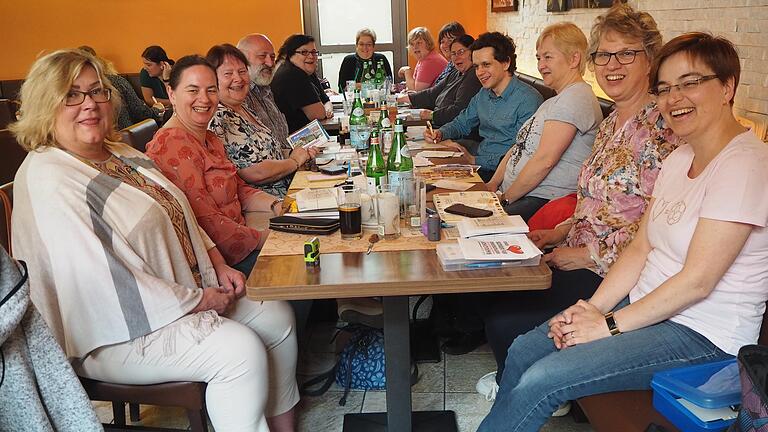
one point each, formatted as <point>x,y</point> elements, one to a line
<point>272,206</point>
<point>611,322</point>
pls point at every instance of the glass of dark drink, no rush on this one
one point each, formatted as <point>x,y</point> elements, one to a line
<point>350,216</point>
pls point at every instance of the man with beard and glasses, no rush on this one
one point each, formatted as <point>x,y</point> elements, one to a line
<point>260,52</point>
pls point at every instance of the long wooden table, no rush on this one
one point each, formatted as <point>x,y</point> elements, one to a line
<point>393,276</point>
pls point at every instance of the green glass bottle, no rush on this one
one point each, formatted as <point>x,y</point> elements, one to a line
<point>375,168</point>
<point>379,74</point>
<point>385,129</point>
<point>399,162</point>
<point>358,124</point>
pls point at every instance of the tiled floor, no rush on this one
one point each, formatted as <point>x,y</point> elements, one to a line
<point>449,385</point>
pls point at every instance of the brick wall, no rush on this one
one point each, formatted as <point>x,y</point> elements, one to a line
<point>744,22</point>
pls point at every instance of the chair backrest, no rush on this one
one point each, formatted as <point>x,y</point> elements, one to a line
<point>11,88</point>
<point>133,78</point>
<point>139,134</point>
<point>6,205</point>
<point>606,105</point>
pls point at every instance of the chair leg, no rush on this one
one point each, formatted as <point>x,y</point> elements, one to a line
<point>134,411</point>
<point>118,413</point>
<point>197,420</point>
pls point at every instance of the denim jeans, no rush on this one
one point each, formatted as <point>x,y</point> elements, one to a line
<point>538,378</point>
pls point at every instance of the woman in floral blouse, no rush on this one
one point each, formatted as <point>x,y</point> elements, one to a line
<point>259,158</point>
<point>194,159</point>
<point>614,186</point>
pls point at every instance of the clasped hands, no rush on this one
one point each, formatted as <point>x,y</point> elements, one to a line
<point>580,323</point>
<point>223,297</point>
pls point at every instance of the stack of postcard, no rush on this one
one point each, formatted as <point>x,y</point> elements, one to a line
<point>489,251</point>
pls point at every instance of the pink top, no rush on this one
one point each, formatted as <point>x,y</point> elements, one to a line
<point>212,186</point>
<point>428,69</point>
<point>616,182</point>
<point>731,188</point>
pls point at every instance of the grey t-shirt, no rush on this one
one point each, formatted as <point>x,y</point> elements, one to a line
<point>576,105</point>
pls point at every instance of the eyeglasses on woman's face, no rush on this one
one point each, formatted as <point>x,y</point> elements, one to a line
<point>625,57</point>
<point>77,97</point>
<point>307,53</point>
<point>686,86</point>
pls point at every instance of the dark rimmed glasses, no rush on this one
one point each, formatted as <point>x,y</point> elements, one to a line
<point>77,97</point>
<point>307,53</point>
<point>688,85</point>
<point>625,57</point>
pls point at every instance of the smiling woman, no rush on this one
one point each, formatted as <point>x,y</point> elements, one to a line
<point>153,274</point>
<point>250,145</point>
<point>297,89</point>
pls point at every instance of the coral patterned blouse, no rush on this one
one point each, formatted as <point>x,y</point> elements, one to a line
<point>212,186</point>
<point>616,182</point>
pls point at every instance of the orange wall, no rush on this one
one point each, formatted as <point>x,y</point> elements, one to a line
<point>433,14</point>
<point>120,29</point>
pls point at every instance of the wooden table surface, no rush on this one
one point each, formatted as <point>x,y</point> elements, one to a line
<point>381,274</point>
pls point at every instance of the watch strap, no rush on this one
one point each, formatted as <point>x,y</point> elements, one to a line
<point>611,322</point>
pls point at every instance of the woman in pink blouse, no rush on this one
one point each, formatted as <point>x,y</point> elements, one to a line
<point>614,186</point>
<point>429,62</point>
<point>195,160</point>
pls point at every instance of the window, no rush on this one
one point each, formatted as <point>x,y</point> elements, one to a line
<point>334,24</point>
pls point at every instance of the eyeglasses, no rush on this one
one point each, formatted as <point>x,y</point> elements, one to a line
<point>307,53</point>
<point>458,52</point>
<point>686,86</point>
<point>625,57</point>
<point>77,97</point>
<point>365,45</point>
<point>264,56</point>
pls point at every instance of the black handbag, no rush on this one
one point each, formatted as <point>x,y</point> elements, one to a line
<point>753,373</point>
<point>311,226</point>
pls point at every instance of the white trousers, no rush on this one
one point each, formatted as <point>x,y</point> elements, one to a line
<point>249,363</point>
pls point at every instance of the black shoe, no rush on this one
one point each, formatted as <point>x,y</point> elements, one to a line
<point>464,343</point>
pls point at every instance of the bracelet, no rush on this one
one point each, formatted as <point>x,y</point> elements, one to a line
<point>277,201</point>
<point>298,165</point>
<point>611,322</point>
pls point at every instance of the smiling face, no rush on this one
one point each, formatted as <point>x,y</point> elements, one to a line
<point>307,63</point>
<point>461,57</point>
<point>418,48</point>
<point>84,126</point>
<point>622,82</point>
<point>445,45</point>
<point>152,68</point>
<point>365,47</point>
<point>492,73</point>
<point>195,97</point>
<point>556,68</point>
<point>692,110</point>
<point>261,56</point>
<point>234,81</point>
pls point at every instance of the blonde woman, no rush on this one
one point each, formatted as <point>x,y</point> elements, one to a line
<point>429,62</point>
<point>133,288</point>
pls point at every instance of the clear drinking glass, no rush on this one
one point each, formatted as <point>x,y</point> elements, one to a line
<point>388,211</point>
<point>413,202</point>
<point>350,217</point>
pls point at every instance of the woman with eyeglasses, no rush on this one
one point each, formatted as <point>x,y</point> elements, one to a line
<point>448,97</point>
<point>690,287</point>
<point>134,289</point>
<point>429,63</point>
<point>352,66</point>
<point>296,87</point>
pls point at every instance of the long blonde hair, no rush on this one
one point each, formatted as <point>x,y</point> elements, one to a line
<point>43,93</point>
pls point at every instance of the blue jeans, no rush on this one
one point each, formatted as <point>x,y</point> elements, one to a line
<point>538,378</point>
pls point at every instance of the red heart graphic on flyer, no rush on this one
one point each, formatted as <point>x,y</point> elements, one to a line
<point>515,249</point>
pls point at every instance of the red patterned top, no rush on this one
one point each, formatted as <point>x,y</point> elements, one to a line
<point>212,186</point>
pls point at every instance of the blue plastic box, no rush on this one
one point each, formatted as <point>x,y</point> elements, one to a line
<point>683,382</point>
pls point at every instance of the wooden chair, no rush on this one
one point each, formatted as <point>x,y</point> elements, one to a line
<point>6,205</point>
<point>139,134</point>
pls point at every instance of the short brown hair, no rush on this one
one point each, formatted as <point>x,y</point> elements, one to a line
<point>717,52</point>
<point>624,20</point>
<point>423,34</point>
<point>218,53</point>
<point>365,32</point>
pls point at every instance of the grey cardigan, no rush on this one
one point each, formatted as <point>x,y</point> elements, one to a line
<point>40,391</point>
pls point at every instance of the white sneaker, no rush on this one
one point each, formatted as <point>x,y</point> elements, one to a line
<point>487,386</point>
<point>564,409</point>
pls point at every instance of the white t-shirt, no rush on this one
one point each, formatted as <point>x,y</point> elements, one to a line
<point>734,188</point>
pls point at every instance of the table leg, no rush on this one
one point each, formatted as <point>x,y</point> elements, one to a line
<point>397,352</point>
